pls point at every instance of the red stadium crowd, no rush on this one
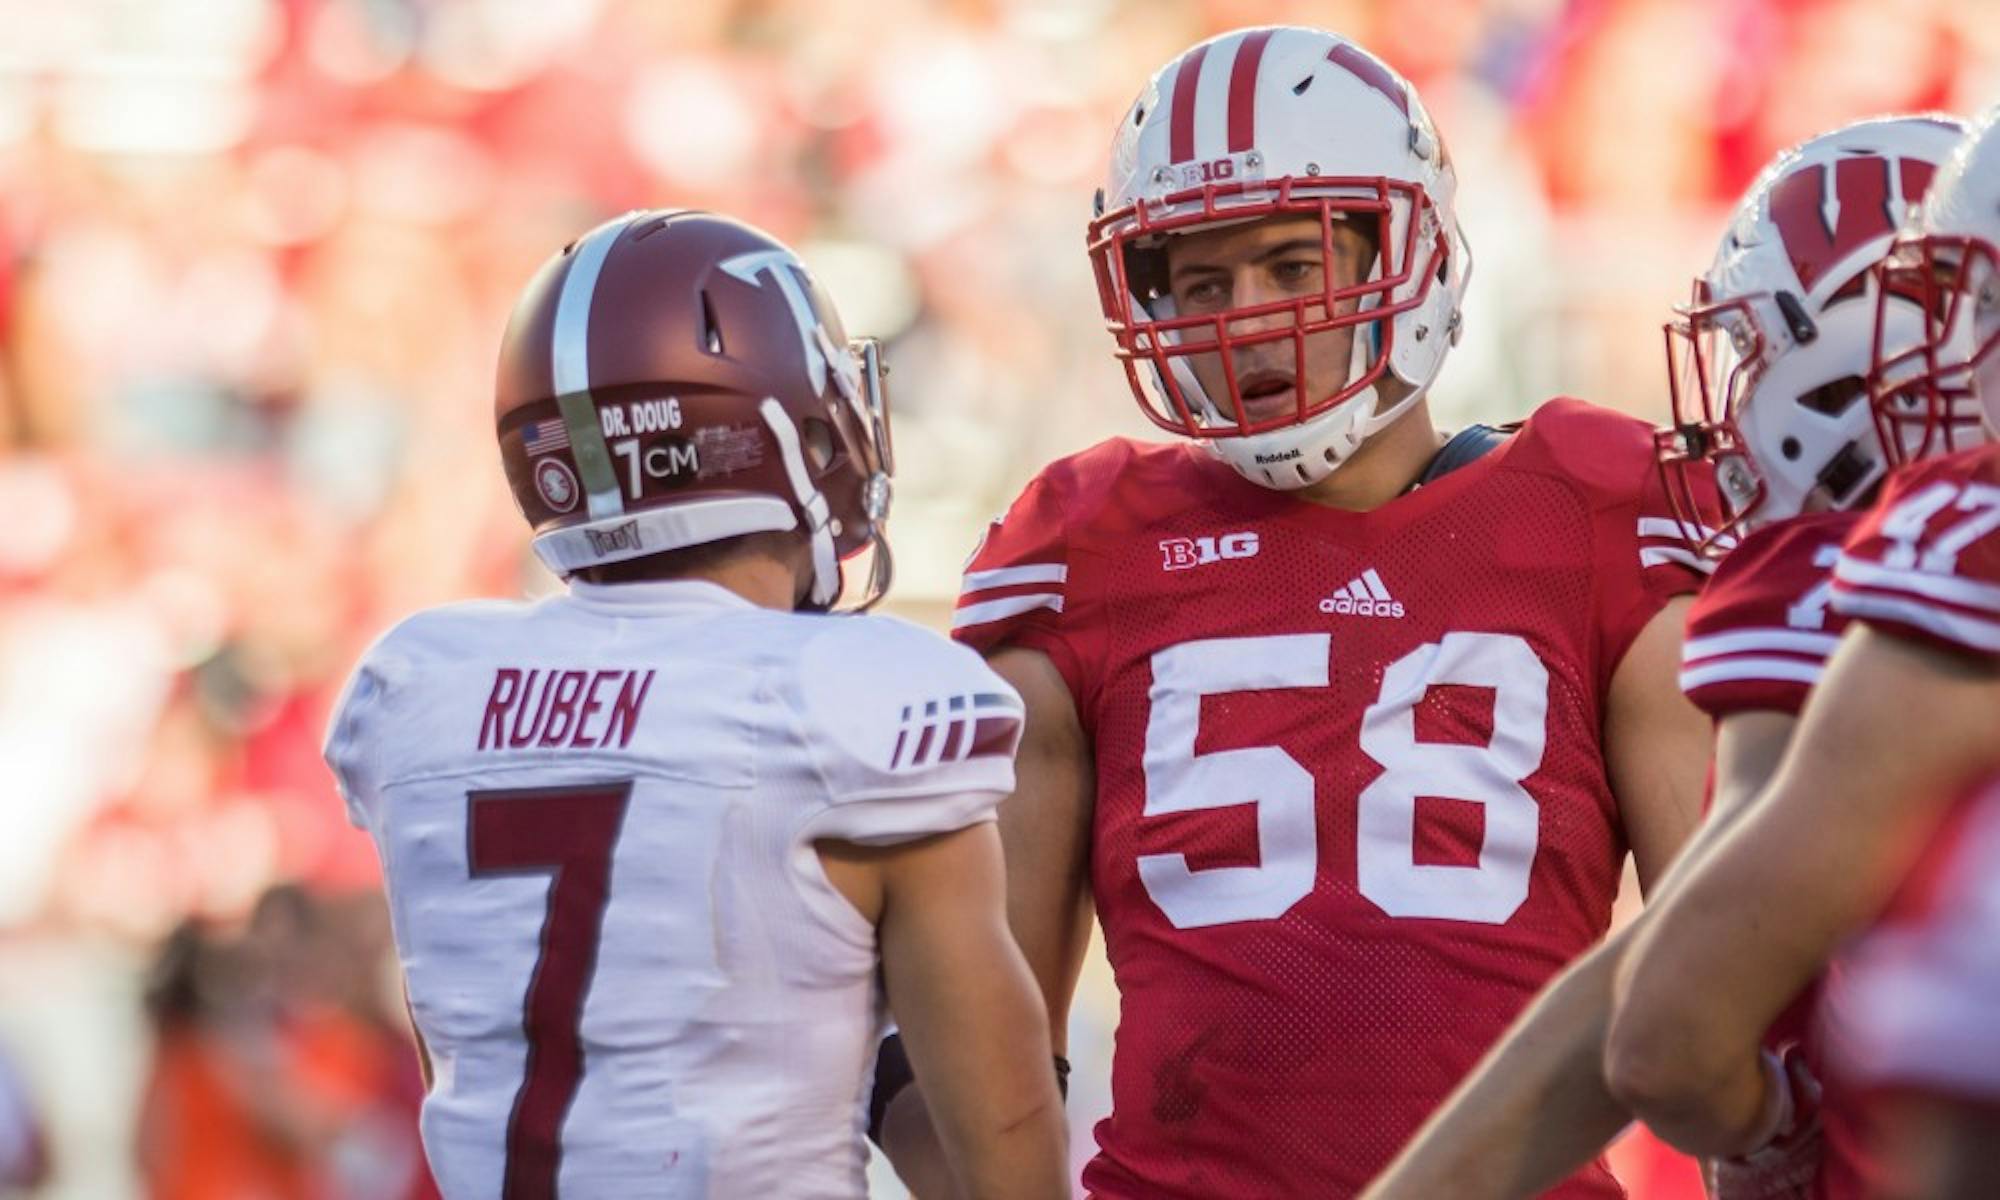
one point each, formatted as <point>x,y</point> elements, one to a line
<point>253,277</point>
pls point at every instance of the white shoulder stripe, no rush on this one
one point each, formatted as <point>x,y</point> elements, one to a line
<point>1763,670</point>
<point>1797,641</point>
<point>1653,556</point>
<point>1953,627</point>
<point>1006,606</point>
<point>1667,527</point>
<point>979,581</point>
<point>1859,572</point>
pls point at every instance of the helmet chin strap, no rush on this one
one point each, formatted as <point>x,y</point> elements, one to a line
<point>819,519</point>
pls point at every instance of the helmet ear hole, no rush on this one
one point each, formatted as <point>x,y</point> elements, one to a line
<point>1836,397</point>
<point>818,439</point>
<point>711,333</point>
<point>1146,272</point>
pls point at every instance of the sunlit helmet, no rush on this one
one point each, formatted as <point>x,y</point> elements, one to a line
<point>1255,124</point>
<point>1767,365</point>
<point>1938,383</point>
<point>674,378</point>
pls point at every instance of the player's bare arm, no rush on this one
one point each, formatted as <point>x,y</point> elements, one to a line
<point>1045,829</point>
<point>1893,730</point>
<point>968,1011</point>
<point>1537,1107</point>
<point>1656,745</point>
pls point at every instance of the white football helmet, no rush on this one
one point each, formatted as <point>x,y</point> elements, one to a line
<point>1767,366</point>
<point>1281,121</point>
<point>1941,384</point>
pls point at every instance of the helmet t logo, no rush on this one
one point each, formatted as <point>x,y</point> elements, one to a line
<point>783,268</point>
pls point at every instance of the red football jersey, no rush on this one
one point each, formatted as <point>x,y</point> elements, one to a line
<point>1352,811</point>
<point>1926,562</point>
<point>1758,638</point>
<point>1911,1008</point>
<point>1759,634</point>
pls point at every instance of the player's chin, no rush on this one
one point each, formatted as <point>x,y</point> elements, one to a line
<point>1271,405</point>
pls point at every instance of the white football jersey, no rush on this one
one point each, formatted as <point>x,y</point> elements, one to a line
<point>596,817</point>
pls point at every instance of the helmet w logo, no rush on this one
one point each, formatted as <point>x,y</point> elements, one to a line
<point>1827,213</point>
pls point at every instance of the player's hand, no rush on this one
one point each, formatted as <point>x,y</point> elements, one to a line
<point>1784,1167</point>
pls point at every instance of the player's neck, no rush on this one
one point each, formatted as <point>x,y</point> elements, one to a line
<point>762,579</point>
<point>1383,468</point>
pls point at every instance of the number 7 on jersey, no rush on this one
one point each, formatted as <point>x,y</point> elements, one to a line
<point>568,834</point>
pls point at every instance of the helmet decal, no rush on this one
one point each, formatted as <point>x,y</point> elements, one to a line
<point>1828,211</point>
<point>1350,59</point>
<point>783,267</point>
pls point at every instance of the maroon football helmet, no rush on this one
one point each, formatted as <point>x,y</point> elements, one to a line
<point>674,378</point>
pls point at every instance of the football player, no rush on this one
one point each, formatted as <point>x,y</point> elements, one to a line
<point>1767,373</point>
<point>1342,727</point>
<point>648,842</point>
<point>1902,720</point>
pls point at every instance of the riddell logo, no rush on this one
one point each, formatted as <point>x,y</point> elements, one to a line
<point>1363,596</point>
<point>1266,460</point>
<point>1181,554</point>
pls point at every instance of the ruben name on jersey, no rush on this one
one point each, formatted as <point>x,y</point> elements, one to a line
<point>596,817</point>
<point>1351,811</point>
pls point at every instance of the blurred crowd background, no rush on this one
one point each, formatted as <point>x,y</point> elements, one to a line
<point>255,259</point>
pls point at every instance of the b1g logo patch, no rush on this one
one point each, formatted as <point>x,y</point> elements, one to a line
<point>1181,554</point>
<point>556,484</point>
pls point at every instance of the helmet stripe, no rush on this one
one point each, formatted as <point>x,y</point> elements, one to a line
<point>570,367</point>
<point>571,343</point>
<point>1180,120</point>
<point>1358,63</point>
<point>1243,91</point>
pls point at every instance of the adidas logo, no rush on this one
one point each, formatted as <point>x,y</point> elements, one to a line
<point>1363,596</point>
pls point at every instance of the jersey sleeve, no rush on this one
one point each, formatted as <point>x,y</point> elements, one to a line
<point>354,749</point>
<point>1665,565</point>
<point>1758,636</point>
<point>1642,559</point>
<point>1016,587</point>
<point>1925,564</point>
<point>914,735</point>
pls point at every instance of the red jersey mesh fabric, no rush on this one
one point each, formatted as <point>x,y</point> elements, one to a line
<point>1351,807</point>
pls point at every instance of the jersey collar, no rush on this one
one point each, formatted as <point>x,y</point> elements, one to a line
<point>656,595</point>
